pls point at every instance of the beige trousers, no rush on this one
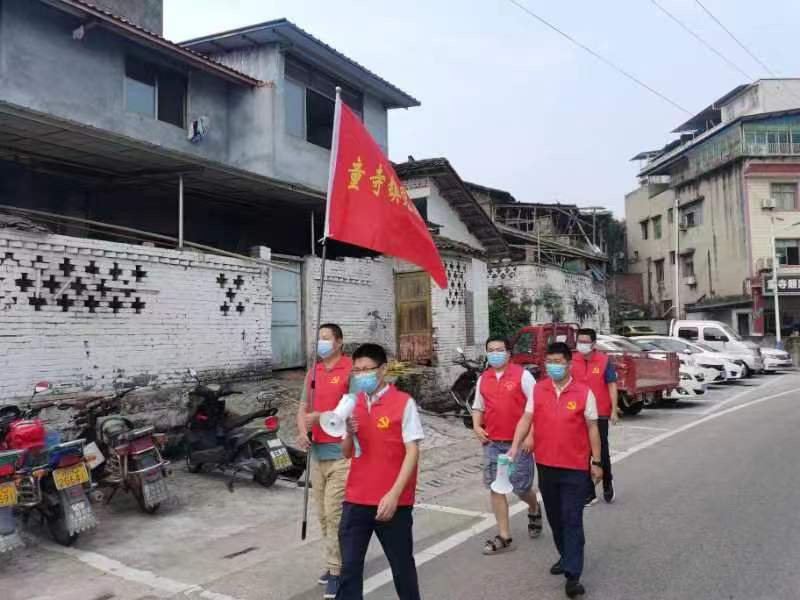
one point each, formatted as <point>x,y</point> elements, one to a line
<point>328,480</point>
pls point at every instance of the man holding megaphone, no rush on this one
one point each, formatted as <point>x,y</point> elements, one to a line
<point>565,438</point>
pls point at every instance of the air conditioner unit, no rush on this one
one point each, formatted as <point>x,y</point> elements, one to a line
<point>768,203</point>
<point>690,280</point>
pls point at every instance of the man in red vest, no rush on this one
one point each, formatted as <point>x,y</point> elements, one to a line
<point>329,467</point>
<point>592,367</point>
<point>565,437</point>
<point>379,496</point>
<point>501,393</point>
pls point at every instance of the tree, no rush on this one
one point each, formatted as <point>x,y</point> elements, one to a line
<point>508,314</point>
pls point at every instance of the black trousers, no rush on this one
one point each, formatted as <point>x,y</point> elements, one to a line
<point>355,530</point>
<point>605,458</point>
<point>564,494</point>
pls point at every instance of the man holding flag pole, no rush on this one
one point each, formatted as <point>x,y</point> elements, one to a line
<point>368,207</point>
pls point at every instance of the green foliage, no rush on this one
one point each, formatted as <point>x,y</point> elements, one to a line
<point>507,314</point>
<point>583,309</point>
<point>552,302</point>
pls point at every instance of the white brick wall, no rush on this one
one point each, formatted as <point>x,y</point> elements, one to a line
<point>359,297</point>
<point>533,278</point>
<point>179,323</point>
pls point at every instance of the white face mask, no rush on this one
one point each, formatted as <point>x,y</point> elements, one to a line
<point>584,348</point>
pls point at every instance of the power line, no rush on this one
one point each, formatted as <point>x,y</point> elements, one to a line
<point>599,57</point>
<point>735,39</point>
<point>701,40</point>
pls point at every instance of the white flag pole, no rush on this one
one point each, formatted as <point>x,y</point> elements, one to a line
<point>337,120</point>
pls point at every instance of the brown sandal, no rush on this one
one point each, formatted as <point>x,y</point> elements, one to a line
<point>498,545</point>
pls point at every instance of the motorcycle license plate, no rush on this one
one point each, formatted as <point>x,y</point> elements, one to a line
<point>281,459</point>
<point>70,476</point>
<point>8,494</point>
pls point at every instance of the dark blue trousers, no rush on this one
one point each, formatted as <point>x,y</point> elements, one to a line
<point>564,494</point>
<point>355,530</point>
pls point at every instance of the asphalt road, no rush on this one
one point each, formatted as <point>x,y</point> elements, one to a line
<point>710,512</point>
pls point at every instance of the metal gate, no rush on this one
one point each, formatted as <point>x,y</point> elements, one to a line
<point>414,323</point>
<point>287,316</point>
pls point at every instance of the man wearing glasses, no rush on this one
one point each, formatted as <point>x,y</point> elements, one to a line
<point>379,495</point>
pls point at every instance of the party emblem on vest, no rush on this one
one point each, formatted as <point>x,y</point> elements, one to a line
<point>335,380</point>
<point>509,385</point>
<point>571,405</point>
<point>383,423</point>
<point>596,370</point>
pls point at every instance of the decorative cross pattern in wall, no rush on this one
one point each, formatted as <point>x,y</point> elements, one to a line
<point>71,284</point>
<point>234,299</point>
<point>456,283</point>
<point>502,274</point>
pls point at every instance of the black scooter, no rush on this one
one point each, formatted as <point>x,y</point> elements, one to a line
<point>463,390</point>
<point>219,440</point>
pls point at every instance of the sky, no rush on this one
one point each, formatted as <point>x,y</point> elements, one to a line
<point>512,104</point>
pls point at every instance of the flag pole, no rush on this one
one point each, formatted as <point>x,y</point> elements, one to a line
<point>310,407</point>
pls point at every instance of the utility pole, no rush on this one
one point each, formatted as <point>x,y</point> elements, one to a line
<point>676,222</point>
<point>775,282</point>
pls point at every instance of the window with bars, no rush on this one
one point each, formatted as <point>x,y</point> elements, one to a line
<point>788,252</point>
<point>784,194</point>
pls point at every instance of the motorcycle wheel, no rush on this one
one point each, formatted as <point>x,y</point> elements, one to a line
<point>57,526</point>
<point>148,510</point>
<point>255,448</point>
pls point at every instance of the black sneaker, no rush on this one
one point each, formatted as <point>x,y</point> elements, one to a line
<point>323,579</point>
<point>557,568</point>
<point>332,587</point>
<point>590,500</point>
<point>574,588</point>
<point>608,493</point>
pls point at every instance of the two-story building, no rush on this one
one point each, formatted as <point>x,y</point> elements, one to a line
<point>708,204</point>
<point>136,153</point>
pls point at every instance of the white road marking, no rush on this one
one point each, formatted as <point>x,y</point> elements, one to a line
<point>383,577</point>
<point>643,427</point>
<point>147,578</point>
<point>452,510</point>
<point>735,397</point>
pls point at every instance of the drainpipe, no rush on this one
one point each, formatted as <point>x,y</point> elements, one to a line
<point>180,212</point>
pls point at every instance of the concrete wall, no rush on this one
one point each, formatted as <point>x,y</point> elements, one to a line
<point>148,14</point>
<point>720,243</point>
<point>359,296</point>
<point>535,280</point>
<point>441,212</point>
<point>168,317</point>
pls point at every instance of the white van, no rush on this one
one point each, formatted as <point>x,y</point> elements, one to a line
<point>721,337</point>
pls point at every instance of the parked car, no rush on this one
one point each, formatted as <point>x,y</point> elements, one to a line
<point>705,356</point>
<point>722,338</point>
<point>634,330</point>
<point>775,359</point>
<point>714,374</point>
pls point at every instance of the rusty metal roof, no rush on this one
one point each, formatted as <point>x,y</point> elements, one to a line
<point>132,31</point>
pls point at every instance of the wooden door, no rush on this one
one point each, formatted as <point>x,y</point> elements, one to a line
<point>414,323</point>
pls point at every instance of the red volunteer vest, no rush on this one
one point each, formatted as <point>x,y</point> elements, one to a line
<point>503,402</point>
<point>380,437</point>
<point>331,386</point>
<point>560,432</point>
<point>592,372</point>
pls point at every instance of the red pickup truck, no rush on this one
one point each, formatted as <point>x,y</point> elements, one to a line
<point>640,379</point>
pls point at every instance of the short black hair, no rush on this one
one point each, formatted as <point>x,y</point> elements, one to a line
<point>497,338</point>
<point>335,330</point>
<point>374,352</point>
<point>560,348</point>
<point>587,331</point>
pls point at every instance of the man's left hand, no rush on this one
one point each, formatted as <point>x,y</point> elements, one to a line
<point>597,473</point>
<point>527,445</point>
<point>387,507</point>
<point>614,416</point>
<point>311,420</point>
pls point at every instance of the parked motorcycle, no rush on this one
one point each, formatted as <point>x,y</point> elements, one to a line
<point>463,390</point>
<point>128,458</point>
<point>53,478</point>
<point>9,536</point>
<point>219,440</point>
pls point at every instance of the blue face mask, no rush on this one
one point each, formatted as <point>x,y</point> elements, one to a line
<point>324,348</point>
<point>365,383</point>
<point>496,359</point>
<point>556,371</point>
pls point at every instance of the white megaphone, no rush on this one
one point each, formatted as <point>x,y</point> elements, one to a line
<point>334,422</point>
<point>502,483</point>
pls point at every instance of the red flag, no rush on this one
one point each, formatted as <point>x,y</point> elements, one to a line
<point>367,204</point>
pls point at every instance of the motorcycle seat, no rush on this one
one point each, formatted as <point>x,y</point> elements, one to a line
<point>134,434</point>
